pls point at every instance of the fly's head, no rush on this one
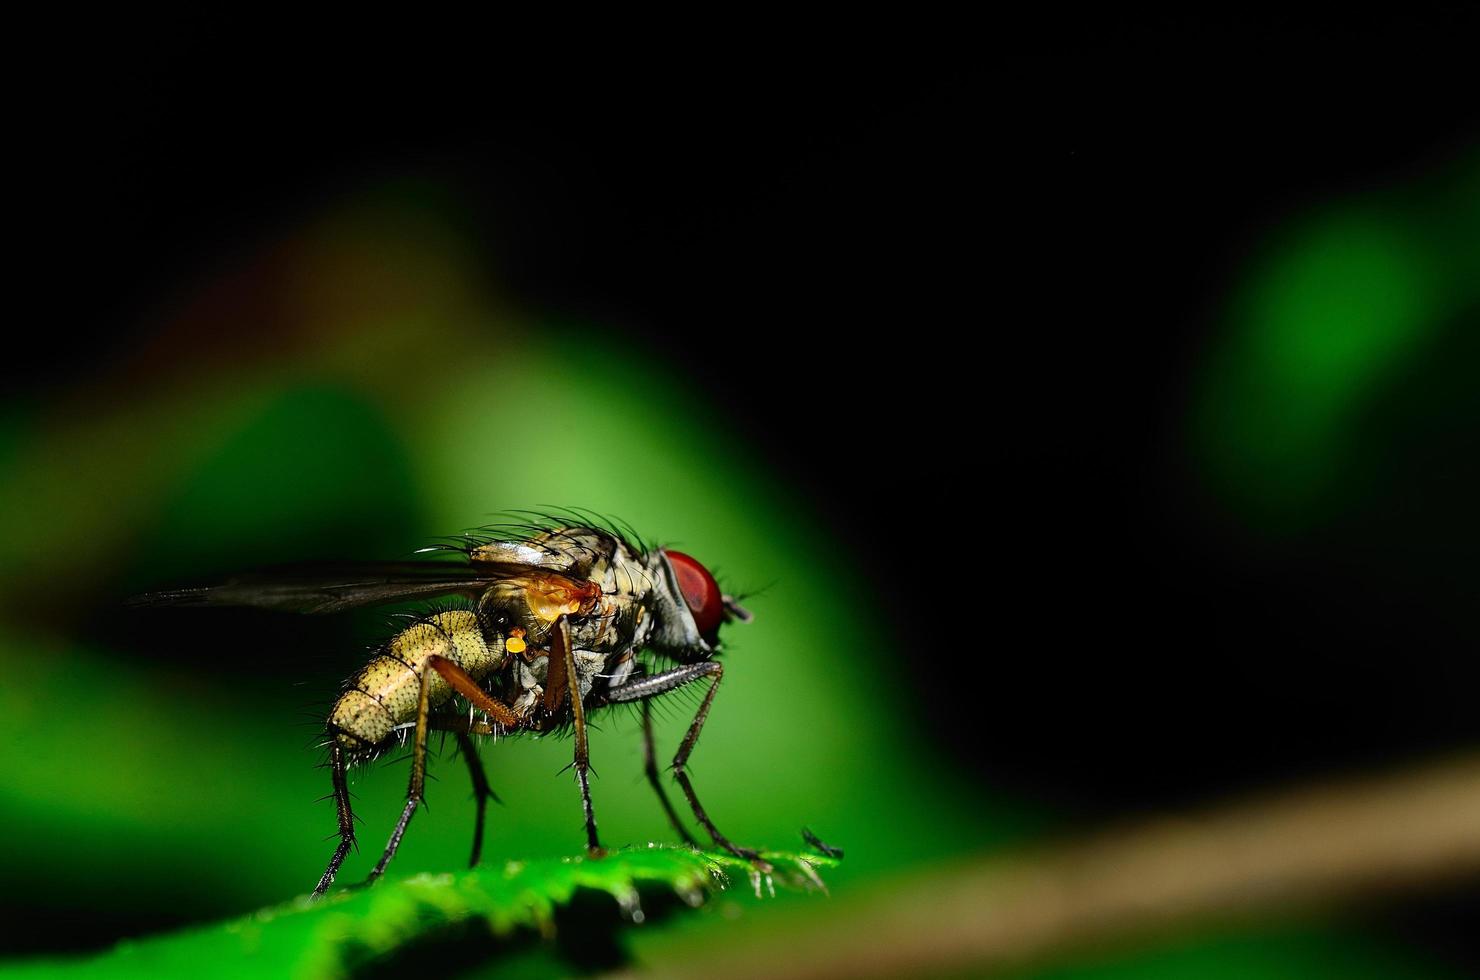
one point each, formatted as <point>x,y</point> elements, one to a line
<point>688,607</point>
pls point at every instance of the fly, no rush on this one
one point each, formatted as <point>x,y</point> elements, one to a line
<point>550,622</point>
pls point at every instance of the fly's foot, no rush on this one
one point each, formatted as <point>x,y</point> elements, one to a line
<point>746,854</point>
<point>596,853</point>
<point>821,846</point>
<point>346,843</point>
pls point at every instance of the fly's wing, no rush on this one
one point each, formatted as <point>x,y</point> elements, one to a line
<point>332,588</point>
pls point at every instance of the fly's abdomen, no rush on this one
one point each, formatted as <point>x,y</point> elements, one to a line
<point>386,692</point>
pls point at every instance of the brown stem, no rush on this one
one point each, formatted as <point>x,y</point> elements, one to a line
<point>1296,851</point>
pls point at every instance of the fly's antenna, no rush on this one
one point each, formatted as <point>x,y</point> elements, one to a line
<point>741,596</point>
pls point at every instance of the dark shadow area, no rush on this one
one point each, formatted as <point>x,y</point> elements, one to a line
<point>586,940</point>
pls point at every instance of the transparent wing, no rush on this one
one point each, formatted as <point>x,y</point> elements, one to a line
<point>332,588</point>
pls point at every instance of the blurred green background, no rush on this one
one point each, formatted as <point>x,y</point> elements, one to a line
<point>1065,499</point>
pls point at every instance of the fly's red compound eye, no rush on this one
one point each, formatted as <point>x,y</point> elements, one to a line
<point>700,591</point>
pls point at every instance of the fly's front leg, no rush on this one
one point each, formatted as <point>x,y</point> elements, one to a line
<point>650,769</point>
<point>337,766</point>
<point>681,758</point>
<point>650,687</point>
<point>461,682</point>
<point>562,679</point>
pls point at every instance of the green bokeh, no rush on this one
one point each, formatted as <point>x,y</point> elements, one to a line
<point>1334,307</point>
<point>318,460</point>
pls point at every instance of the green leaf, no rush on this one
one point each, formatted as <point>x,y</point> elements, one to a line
<point>576,907</point>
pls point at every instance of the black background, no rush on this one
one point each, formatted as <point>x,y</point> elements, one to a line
<point>957,277</point>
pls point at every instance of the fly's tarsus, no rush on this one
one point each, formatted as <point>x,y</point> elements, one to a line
<point>820,846</point>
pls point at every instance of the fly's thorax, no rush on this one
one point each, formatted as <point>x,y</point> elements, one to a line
<point>613,625</point>
<point>387,690</point>
<point>577,551</point>
<point>604,622</point>
<point>627,575</point>
<point>527,679</point>
<point>582,553</point>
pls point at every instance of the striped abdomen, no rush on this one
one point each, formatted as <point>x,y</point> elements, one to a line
<point>385,693</point>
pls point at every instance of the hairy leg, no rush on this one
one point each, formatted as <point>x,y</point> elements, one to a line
<point>650,769</point>
<point>645,688</point>
<point>337,765</point>
<point>464,684</point>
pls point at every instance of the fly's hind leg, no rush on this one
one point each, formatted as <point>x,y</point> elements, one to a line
<point>414,796</point>
<point>337,765</point>
<point>463,684</point>
<point>650,687</point>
